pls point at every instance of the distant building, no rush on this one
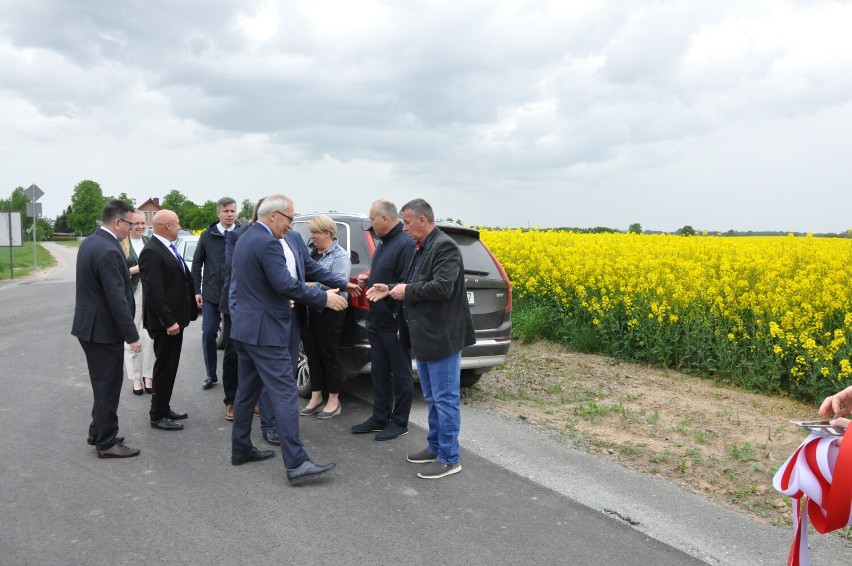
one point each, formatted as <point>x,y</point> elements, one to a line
<point>149,208</point>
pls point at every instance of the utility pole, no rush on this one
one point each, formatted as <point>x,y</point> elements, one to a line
<point>34,211</point>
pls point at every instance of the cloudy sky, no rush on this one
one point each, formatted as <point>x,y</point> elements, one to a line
<point>716,114</point>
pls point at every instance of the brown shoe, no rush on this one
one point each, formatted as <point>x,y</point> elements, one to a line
<point>256,411</point>
<point>229,412</point>
<point>118,450</point>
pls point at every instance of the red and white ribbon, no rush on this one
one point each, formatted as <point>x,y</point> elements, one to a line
<point>818,477</point>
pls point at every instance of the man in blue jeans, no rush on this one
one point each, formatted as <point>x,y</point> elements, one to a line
<point>436,322</point>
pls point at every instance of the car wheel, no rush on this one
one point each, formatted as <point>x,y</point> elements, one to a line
<point>469,377</point>
<point>220,336</point>
<point>303,374</point>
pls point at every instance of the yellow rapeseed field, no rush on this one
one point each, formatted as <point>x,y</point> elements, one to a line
<point>771,313</point>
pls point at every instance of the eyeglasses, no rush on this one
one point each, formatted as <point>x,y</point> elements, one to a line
<point>290,218</point>
<point>129,223</point>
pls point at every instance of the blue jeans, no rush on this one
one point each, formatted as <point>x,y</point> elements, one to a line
<point>210,318</point>
<point>439,380</point>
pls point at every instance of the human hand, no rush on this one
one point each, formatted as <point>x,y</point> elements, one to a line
<point>837,405</point>
<point>199,300</point>
<point>354,289</point>
<point>362,280</point>
<point>136,347</point>
<point>334,301</point>
<point>398,292</point>
<point>173,330</point>
<point>377,292</point>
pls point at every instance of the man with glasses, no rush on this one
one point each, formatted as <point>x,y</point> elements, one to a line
<point>268,297</point>
<point>103,321</point>
<point>170,305</point>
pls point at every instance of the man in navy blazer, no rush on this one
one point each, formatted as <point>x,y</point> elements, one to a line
<point>266,287</point>
<point>103,321</point>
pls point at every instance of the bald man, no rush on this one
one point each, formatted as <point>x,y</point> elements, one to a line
<point>170,305</point>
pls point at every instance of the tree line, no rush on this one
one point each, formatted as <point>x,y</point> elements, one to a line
<point>82,215</point>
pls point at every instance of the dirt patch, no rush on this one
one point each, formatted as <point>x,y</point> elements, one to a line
<point>717,441</point>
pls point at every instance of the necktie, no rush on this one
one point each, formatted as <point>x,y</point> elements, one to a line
<point>177,255</point>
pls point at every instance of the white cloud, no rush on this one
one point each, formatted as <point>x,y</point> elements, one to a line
<point>549,113</point>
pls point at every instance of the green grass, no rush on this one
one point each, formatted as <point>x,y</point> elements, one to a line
<point>22,260</point>
<point>744,453</point>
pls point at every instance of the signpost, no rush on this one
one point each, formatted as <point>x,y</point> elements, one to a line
<point>34,212</point>
<point>10,234</point>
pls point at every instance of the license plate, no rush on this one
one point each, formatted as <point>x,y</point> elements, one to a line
<point>470,297</point>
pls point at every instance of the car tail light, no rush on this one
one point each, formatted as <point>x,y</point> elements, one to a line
<point>505,277</point>
<point>361,302</point>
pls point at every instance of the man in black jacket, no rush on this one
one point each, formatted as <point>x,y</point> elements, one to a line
<point>103,321</point>
<point>390,361</point>
<point>436,320</point>
<point>169,297</point>
<point>210,258</point>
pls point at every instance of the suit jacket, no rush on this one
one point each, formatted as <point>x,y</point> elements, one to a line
<point>104,307</point>
<point>230,243</point>
<point>168,291</point>
<point>308,269</point>
<point>262,287</point>
<point>439,322</point>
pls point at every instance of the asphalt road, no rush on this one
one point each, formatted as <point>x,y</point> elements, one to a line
<point>521,498</point>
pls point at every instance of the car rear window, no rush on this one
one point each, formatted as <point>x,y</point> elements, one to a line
<point>476,258</point>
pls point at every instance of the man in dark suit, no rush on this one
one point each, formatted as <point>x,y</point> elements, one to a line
<point>437,323</point>
<point>103,321</point>
<point>170,305</point>
<point>265,287</point>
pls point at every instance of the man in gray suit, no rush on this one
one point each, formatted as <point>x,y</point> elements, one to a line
<point>265,286</point>
<point>436,321</point>
<point>103,321</point>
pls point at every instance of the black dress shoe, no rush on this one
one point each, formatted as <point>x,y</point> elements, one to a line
<point>90,440</point>
<point>166,424</point>
<point>254,456</point>
<point>209,383</point>
<point>308,470</point>
<point>177,416</point>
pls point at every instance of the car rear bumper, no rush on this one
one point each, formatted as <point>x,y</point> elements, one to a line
<point>484,355</point>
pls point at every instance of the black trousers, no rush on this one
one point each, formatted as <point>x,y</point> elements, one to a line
<point>390,365</point>
<point>167,353</point>
<point>230,375</point>
<point>106,363</point>
<point>320,340</point>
